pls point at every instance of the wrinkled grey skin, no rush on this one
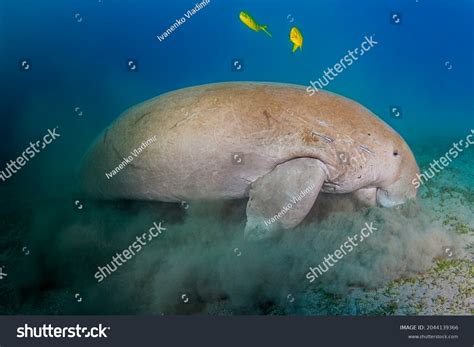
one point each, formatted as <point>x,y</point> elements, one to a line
<point>264,141</point>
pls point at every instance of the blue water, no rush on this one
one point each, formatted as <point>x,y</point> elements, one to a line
<point>79,80</point>
<point>84,64</point>
<point>78,52</point>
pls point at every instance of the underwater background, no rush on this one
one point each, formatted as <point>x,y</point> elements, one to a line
<point>80,78</point>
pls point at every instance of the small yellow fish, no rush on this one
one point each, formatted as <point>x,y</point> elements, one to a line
<point>296,38</point>
<point>252,24</point>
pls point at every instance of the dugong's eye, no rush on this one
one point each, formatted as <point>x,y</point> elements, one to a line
<point>395,153</point>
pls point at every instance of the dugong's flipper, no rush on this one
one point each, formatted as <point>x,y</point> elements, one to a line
<point>283,197</point>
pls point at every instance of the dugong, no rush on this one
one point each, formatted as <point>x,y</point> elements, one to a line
<point>272,143</point>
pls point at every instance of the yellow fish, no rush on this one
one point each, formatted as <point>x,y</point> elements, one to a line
<point>296,38</point>
<point>252,24</point>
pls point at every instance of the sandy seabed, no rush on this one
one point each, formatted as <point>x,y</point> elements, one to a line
<point>419,261</point>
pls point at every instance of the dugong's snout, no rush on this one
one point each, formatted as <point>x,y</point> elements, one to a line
<point>399,187</point>
<point>392,197</point>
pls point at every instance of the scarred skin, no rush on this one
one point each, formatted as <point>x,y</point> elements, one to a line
<point>200,129</point>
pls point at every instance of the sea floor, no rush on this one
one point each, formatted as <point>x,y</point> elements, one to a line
<point>446,288</point>
<point>420,262</point>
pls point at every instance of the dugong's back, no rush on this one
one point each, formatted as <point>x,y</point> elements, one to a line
<point>212,141</point>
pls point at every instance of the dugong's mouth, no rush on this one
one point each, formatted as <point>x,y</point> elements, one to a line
<point>384,199</point>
